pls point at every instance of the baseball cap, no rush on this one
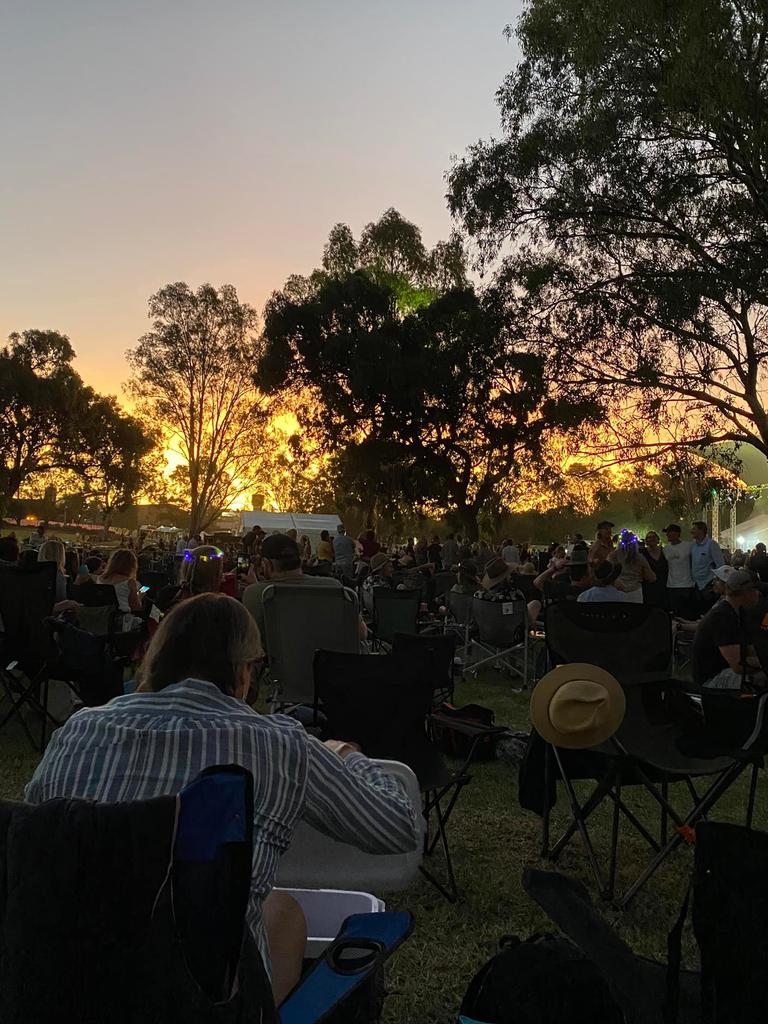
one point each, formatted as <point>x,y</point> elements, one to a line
<point>672,528</point>
<point>723,572</point>
<point>605,524</point>
<point>740,581</point>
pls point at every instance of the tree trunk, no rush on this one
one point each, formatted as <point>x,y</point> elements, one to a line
<point>468,518</point>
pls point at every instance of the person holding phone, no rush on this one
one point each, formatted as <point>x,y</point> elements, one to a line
<point>120,573</point>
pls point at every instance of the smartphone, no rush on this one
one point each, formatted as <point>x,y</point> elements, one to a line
<point>143,590</point>
<point>243,562</point>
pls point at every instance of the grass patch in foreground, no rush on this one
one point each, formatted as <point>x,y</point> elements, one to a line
<point>492,841</point>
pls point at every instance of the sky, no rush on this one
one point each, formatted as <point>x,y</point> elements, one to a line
<point>150,141</point>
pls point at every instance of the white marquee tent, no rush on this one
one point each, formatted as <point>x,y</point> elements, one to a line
<point>305,523</point>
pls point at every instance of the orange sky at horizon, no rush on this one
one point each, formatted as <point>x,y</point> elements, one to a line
<point>189,141</point>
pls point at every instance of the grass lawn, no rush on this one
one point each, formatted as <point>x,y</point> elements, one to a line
<point>492,840</point>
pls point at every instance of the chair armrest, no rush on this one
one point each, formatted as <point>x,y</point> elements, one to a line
<point>468,728</point>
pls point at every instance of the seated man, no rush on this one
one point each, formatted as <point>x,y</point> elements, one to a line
<point>380,576</point>
<point>720,640</point>
<point>604,576</point>
<point>280,563</point>
<point>191,714</point>
<point>467,581</point>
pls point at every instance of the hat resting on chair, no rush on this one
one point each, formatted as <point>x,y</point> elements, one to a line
<point>577,706</point>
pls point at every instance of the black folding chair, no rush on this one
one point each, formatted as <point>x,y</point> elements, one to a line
<point>155,580</point>
<point>394,611</point>
<point>440,584</point>
<point>383,703</point>
<point>631,641</point>
<point>95,595</point>
<point>439,651</point>
<point>86,659</point>
<point>651,749</point>
<point>26,600</point>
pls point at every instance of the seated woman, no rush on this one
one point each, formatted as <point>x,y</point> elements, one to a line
<point>191,714</point>
<point>54,551</point>
<point>120,573</point>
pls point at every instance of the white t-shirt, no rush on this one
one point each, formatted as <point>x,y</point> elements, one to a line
<point>678,558</point>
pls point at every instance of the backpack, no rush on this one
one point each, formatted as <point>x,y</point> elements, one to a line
<point>542,980</point>
<point>458,744</point>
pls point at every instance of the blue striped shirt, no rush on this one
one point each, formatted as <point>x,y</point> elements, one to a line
<point>145,745</point>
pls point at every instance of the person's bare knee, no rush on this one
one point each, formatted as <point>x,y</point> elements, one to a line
<point>287,935</point>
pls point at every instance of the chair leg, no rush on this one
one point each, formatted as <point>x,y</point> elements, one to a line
<point>752,791</point>
<point>581,824</point>
<point>15,709</point>
<point>545,818</point>
<point>614,840</point>
<point>449,890</point>
<point>710,798</point>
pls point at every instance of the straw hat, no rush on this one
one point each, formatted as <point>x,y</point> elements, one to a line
<point>379,559</point>
<point>577,706</point>
<point>495,571</point>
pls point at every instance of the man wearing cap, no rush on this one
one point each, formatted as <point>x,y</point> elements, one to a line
<point>720,642</point>
<point>706,556</point>
<point>280,563</point>
<point>602,546</point>
<point>679,579</point>
<point>380,577</point>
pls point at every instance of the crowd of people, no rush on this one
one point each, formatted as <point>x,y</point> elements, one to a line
<point>191,708</point>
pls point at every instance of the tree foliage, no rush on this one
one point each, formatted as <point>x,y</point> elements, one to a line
<point>627,203</point>
<point>436,409</point>
<point>193,375</point>
<point>392,253</point>
<point>51,423</point>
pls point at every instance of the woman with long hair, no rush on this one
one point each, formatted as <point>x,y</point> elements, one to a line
<point>635,570</point>
<point>54,551</point>
<point>655,594</point>
<point>121,574</point>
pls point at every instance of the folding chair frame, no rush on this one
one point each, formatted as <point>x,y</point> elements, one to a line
<point>20,695</point>
<point>433,798</point>
<point>610,786</point>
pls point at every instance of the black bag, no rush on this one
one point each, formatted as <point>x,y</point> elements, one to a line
<point>730,920</point>
<point>458,744</point>
<point>544,980</point>
<point>733,717</point>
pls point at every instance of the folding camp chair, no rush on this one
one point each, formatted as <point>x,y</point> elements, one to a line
<point>394,611</point>
<point>383,704</point>
<point>525,585</point>
<point>26,599</point>
<point>631,641</point>
<point>315,861</point>
<point>155,580</point>
<point>300,620</point>
<point>84,657</point>
<point>440,584</point>
<point>460,623</point>
<point>651,750</point>
<point>502,632</point>
<point>95,595</point>
<point>439,650</point>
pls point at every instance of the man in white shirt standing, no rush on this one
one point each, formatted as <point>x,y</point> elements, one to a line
<point>680,579</point>
<point>510,552</point>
